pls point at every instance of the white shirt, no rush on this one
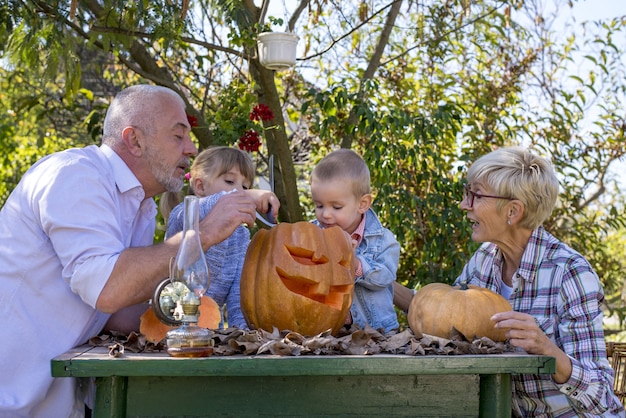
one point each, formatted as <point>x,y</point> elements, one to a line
<point>61,232</point>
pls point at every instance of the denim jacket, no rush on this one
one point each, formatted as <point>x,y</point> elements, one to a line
<point>379,253</point>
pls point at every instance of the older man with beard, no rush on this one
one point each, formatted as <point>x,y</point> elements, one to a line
<point>76,244</point>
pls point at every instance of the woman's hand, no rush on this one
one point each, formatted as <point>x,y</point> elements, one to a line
<point>523,331</point>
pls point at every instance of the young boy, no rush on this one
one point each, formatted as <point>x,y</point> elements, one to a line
<point>340,187</point>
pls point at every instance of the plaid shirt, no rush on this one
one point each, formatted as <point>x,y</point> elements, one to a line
<point>557,286</point>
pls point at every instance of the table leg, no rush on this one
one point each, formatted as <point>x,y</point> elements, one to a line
<point>110,397</point>
<point>495,395</point>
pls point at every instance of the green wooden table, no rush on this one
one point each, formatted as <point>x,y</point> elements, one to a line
<point>154,384</point>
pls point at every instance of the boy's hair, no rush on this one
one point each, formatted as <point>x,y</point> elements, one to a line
<point>344,164</point>
<point>209,164</point>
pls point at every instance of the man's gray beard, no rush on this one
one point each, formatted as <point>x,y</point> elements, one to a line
<point>173,184</point>
<point>161,172</point>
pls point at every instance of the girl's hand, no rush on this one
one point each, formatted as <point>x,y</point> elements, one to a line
<point>265,201</point>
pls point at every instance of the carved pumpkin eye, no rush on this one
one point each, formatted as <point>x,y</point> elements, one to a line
<point>304,256</point>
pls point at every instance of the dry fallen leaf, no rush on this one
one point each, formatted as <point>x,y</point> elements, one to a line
<point>350,341</point>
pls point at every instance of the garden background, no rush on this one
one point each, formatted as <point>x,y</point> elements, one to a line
<point>419,88</point>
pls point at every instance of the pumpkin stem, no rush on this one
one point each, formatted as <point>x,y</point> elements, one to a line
<point>464,285</point>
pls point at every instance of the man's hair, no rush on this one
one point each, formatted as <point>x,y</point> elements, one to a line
<point>344,164</point>
<point>518,173</point>
<point>134,106</point>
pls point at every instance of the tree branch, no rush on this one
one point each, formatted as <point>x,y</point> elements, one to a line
<point>296,14</point>
<point>443,35</point>
<point>147,67</point>
<point>138,34</point>
<point>354,29</point>
<point>372,66</point>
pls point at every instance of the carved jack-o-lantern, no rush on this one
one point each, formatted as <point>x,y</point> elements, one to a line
<point>298,277</point>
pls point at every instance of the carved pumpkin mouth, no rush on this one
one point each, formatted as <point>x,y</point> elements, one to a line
<point>331,296</point>
<point>304,287</point>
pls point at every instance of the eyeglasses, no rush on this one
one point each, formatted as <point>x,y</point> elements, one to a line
<point>469,196</point>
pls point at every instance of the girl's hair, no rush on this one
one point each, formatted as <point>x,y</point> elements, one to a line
<point>344,164</point>
<point>518,173</point>
<point>209,165</point>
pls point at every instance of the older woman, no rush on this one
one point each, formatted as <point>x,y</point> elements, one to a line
<point>555,293</point>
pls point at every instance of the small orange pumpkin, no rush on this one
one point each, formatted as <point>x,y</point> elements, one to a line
<point>437,308</point>
<point>154,330</point>
<point>298,277</point>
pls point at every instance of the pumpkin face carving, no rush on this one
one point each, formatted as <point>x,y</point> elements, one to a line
<point>437,308</point>
<point>298,277</point>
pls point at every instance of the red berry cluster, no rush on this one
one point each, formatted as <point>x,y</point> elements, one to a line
<point>250,141</point>
<point>193,121</point>
<point>261,112</point>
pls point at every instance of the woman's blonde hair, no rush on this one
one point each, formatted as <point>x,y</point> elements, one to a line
<point>208,165</point>
<point>518,173</point>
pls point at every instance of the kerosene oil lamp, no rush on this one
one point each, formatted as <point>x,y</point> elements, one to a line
<point>177,300</point>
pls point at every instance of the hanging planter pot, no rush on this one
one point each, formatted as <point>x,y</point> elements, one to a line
<point>277,50</point>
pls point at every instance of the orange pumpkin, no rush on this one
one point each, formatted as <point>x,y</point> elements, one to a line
<point>298,277</point>
<point>154,330</point>
<point>437,308</point>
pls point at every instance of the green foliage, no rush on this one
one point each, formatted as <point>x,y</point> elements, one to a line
<point>460,94</point>
<point>37,119</point>
<point>232,118</point>
<point>455,80</point>
<point>415,177</point>
<point>418,183</point>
